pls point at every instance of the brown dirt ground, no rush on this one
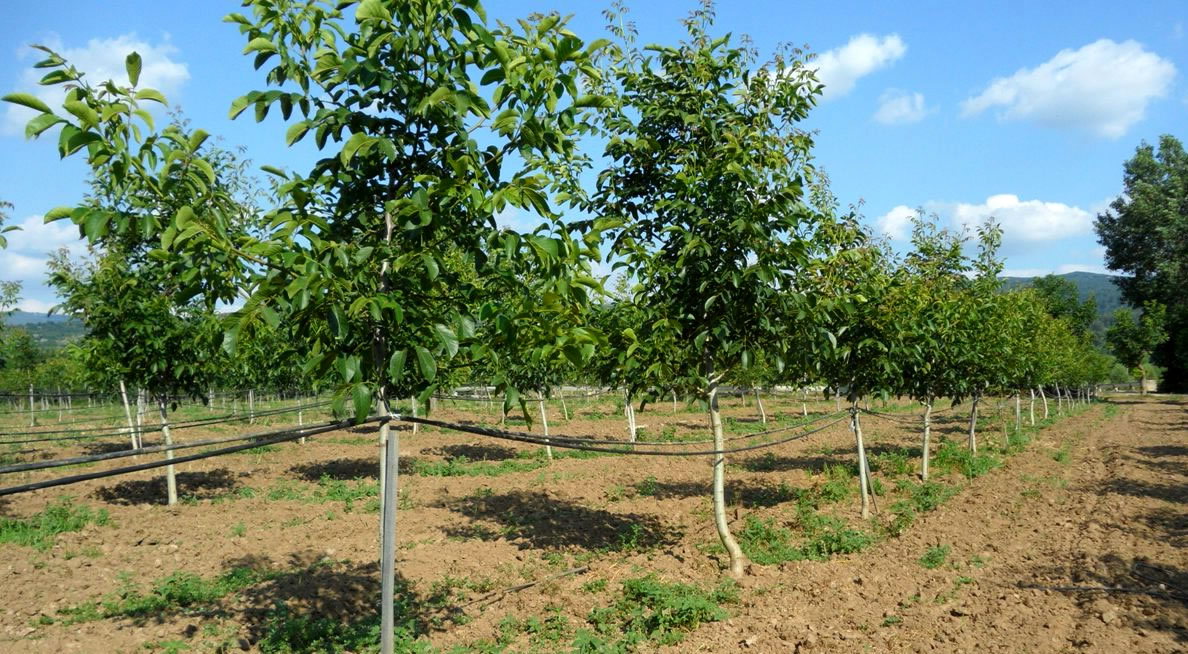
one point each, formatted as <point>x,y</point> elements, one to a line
<point>1111,514</point>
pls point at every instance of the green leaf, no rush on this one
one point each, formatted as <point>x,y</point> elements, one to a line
<point>426,363</point>
<point>132,64</point>
<point>372,10</point>
<point>296,132</point>
<point>152,94</point>
<point>439,94</point>
<point>396,366</point>
<point>29,100</point>
<point>58,213</point>
<point>41,123</point>
<point>82,111</point>
<point>448,339</point>
<point>259,44</point>
<point>361,394</point>
<point>597,101</point>
<point>352,146</point>
<point>338,323</point>
<point>197,139</point>
<point>238,105</point>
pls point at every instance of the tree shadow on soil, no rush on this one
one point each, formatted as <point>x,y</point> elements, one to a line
<point>474,452</point>
<point>738,493</point>
<point>339,469</point>
<point>1155,592</point>
<point>104,448</point>
<point>199,485</point>
<point>1174,493</point>
<point>539,521</point>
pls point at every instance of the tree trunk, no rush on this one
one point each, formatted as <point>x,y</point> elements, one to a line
<point>128,414</point>
<point>863,473</point>
<point>927,438</point>
<point>1018,412</point>
<point>738,560</point>
<point>141,409</point>
<point>170,478</point>
<point>674,403</point>
<point>1031,408</point>
<point>564,408</point>
<point>1142,379</point>
<point>759,403</point>
<point>413,403</point>
<point>389,472</point>
<point>300,418</point>
<point>1044,397</point>
<point>544,424</point>
<point>251,406</point>
<point>973,424</point>
<point>629,414</point>
<point>32,408</point>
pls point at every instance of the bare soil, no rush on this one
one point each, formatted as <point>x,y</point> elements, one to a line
<point>1075,544</point>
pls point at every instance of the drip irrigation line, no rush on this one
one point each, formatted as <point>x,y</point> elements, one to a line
<point>57,463</point>
<point>577,444</point>
<point>85,434</point>
<point>282,438</point>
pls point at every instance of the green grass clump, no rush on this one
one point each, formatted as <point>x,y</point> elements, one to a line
<point>935,556</point>
<point>895,463</point>
<point>650,610</point>
<point>460,466</point>
<point>39,531</point>
<point>952,457</point>
<point>766,543</point>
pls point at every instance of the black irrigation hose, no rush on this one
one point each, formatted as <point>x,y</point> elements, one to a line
<point>57,463</point>
<point>83,434</point>
<point>287,436</point>
<point>575,444</point>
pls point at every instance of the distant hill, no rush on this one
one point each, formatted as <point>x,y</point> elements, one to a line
<point>50,331</point>
<point>1102,287</point>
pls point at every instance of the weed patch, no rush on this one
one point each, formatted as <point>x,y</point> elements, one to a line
<point>39,531</point>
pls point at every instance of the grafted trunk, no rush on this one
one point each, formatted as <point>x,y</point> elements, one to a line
<point>170,478</point>
<point>863,471</point>
<point>544,424</point>
<point>927,438</point>
<point>128,414</point>
<point>973,424</point>
<point>738,560</point>
<point>629,414</point>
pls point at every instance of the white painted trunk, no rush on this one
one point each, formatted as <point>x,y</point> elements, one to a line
<point>738,560</point>
<point>759,403</point>
<point>128,414</point>
<point>973,424</point>
<point>170,477</point>
<point>544,425</point>
<point>927,438</point>
<point>863,474</point>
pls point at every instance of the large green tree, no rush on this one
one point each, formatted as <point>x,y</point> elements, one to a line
<point>1145,233</point>
<point>1134,340</point>
<point>704,194</point>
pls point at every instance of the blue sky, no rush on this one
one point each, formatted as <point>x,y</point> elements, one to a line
<point>1024,110</point>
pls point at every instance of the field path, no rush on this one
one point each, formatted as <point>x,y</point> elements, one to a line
<point>1098,501</point>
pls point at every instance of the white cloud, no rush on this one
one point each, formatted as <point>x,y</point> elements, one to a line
<point>101,59</point>
<point>898,107</point>
<point>28,249</point>
<point>896,222</point>
<point>1103,87</point>
<point>840,68</point>
<point>1024,220</point>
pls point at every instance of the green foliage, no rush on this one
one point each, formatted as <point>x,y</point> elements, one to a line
<point>935,556</point>
<point>953,458</point>
<point>650,610</point>
<point>1144,232</point>
<point>39,531</point>
<point>1133,341</point>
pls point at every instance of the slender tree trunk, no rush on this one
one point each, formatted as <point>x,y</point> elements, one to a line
<point>544,424</point>
<point>564,408</point>
<point>128,413</point>
<point>251,406</point>
<point>32,408</point>
<point>738,560</point>
<point>1018,412</point>
<point>413,403</point>
<point>629,414</point>
<point>759,403</point>
<point>389,472</point>
<point>1031,408</point>
<point>170,478</point>
<point>1142,379</point>
<point>973,424</point>
<point>837,400</point>
<point>1044,397</point>
<point>863,472</point>
<point>59,403</point>
<point>141,410</point>
<point>300,418</point>
<point>927,437</point>
<point>674,403</point>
